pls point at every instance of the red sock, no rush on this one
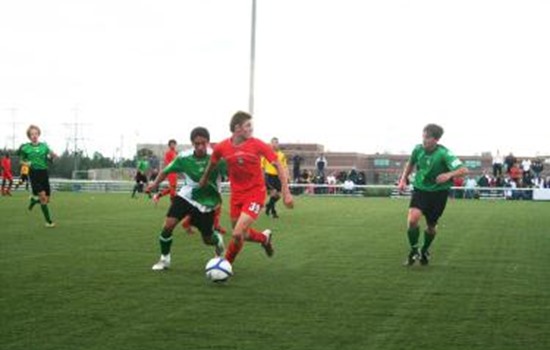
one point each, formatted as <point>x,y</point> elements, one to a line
<point>217,214</point>
<point>256,236</point>
<point>234,248</point>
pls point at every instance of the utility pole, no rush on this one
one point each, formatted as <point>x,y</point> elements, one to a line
<point>76,125</point>
<point>252,59</point>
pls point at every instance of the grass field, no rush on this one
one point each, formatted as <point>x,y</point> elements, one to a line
<point>336,281</point>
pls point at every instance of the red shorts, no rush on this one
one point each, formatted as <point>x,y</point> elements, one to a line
<point>250,203</point>
<point>172,179</point>
<point>7,176</point>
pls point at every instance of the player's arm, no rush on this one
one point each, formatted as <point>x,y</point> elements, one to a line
<point>204,179</point>
<point>282,173</point>
<point>160,177</point>
<point>404,176</point>
<point>461,171</point>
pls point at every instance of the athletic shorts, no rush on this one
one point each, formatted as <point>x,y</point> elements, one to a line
<point>180,208</point>
<point>40,181</point>
<point>272,182</point>
<point>7,176</point>
<point>249,202</point>
<point>432,204</point>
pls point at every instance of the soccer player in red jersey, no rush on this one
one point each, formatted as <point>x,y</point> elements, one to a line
<point>169,156</point>
<point>7,175</point>
<point>243,154</point>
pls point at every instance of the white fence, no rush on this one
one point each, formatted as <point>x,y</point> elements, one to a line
<point>486,193</point>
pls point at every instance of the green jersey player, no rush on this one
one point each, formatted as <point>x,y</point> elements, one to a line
<point>36,155</point>
<point>435,166</point>
<point>197,202</point>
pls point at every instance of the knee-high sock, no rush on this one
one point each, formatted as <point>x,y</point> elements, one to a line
<point>428,239</point>
<point>46,213</point>
<point>255,236</point>
<point>413,233</point>
<point>235,246</point>
<point>165,241</point>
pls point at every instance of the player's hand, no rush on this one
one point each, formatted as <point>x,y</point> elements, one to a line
<point>401,185</point>
<point>288,200</point>
<point>149,188</point>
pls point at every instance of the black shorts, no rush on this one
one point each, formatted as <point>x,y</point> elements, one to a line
<point>203,221</point>
<point>141,178</point>
<point>24,177</point>
<point>40,181</point>
<point>272,182</point>
<point>432,204</point>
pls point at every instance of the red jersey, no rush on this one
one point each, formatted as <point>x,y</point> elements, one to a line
<point>244,163</point>
<point>169,156</point>
<point>6,165</point>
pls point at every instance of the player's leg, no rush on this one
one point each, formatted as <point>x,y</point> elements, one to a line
<point>413,229</point>
<point>437,203</point>
<point>178,209</point>
<point>204,222</point>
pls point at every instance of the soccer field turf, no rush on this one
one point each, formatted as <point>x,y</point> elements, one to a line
<point>335,282</point>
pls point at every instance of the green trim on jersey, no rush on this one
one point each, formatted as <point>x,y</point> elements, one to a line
<point>35,155</point>
<point>429,165</point>
<point>203,198</point>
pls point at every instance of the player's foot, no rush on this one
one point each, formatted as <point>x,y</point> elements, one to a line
<point>424,258</point>
<point>412,258</point>
<point>275,215</point>
<point>156,198</point>
<point>49,225</point>
<point>220,247</point>
<point>268,246</point>
<point>162,264</point>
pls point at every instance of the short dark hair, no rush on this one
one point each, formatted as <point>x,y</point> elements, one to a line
<point>200,131</point>
<point>238,119</point>
<point>434,130</point>
<point>172,141</point>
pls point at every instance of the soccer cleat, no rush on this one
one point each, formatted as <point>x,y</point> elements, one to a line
<point>412,258</point>
<point>162,264</point>
<point>220,247</point>
<point>268,246</point>
<point>49,224</point>
<point>275,215</point>
<point>424,258</point>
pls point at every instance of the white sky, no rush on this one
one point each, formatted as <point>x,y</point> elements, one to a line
<point>378,71</point>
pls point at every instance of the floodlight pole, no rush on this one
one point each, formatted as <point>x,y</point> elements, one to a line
<point>252,59</point>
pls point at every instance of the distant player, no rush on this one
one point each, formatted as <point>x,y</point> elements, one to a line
<point>169,156</point>
<point>197,202</point>
<point>435,168</point>
<point>37,155</point>
<point>7,176</point>
<point>272,180</point>
<point>243,155</point>
<point>23,176</point>
<point>141,176</point>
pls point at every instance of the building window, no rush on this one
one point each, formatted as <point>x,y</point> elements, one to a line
<point>381,163</point>
<point>472,164</point>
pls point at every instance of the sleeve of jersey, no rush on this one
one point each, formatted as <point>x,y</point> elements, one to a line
<point>217,153</point>
<point>452,161</point>
<point>175,166</point>
<point>266,151</point>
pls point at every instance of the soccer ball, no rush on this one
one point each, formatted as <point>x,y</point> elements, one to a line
<point>218,270</point>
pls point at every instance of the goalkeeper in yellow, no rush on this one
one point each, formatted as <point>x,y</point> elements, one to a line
<point>272,181</point>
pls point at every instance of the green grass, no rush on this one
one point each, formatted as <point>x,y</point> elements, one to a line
<point>336,281</point>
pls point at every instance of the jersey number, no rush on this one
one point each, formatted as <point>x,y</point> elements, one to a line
<point>254,207</point>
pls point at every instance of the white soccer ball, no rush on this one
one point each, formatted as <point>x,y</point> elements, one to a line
<point>218,269</point>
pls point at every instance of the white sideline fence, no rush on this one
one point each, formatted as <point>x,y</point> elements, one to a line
<point>486,193</point>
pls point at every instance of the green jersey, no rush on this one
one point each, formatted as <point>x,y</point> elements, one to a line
<point>203,198</point>
<point>143,165</point>
<point>36,155</point>
<point>430,165</point>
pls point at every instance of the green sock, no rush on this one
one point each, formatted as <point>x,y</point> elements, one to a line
<point>32,202</point>
<point>46,213</point>
<point>428,239</point>
<point>413,233</point>
<point>165,240</point>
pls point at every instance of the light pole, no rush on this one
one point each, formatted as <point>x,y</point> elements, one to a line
<point>252,59</point>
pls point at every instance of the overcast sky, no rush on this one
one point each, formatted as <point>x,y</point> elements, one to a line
<point>358,76</point>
